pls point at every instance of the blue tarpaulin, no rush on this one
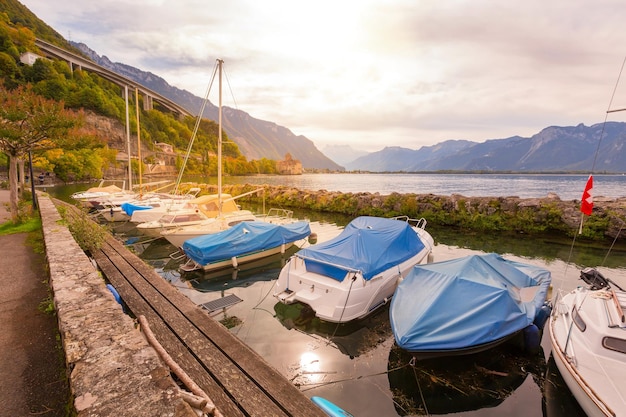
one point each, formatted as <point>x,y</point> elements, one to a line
<point>130,208</point>
<point>243,238</point>
<point>466,302</point>
<point>367,244</point>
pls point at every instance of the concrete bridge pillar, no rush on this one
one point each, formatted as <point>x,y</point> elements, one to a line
<point>148,103</point>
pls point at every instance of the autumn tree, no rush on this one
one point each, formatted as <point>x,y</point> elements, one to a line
<point>28,122</point>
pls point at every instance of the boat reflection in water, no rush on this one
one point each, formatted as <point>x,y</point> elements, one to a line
<point>558,399</point>
<point>353,339</point>
<point>260,270</point>
<point>459,383</point>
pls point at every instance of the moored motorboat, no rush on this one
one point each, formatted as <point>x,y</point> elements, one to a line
<point>588,336</point>
<point>244,242</point>
<point>353,274</point>
<point>216,222</point>
<point>172,220</point>
<point>180,233</point>
<point>469,304</point>
<point>122,208</point>
<point>94,197</point>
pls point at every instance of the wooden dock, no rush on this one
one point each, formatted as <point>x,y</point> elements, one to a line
<point>237,379</point>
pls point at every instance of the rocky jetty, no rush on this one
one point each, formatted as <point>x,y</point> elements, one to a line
<point>546,215</point>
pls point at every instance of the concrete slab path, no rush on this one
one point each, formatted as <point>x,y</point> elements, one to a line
<point>31,363</point>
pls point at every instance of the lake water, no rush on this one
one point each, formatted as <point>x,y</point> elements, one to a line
<point>356,365</point>
<point>567,187</point>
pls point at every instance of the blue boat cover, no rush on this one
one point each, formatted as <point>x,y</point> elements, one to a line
<point>130,208</point>
<point>243,238</point>
<point>466,302</point>
<point>367,244</point>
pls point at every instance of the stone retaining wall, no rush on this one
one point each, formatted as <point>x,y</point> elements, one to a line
<point>113,371</point>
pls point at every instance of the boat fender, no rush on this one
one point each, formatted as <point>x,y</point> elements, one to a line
<point>313,238</point>
<point>532,338</point>
<point>542,316</point>
<point>233,260</point>
<point>131,240</point>
<point>116,295</point>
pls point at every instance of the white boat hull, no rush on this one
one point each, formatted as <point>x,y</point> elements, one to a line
<point>595,375</point>
<point>182,218</point>
<point>155,213</point>
<point>179,235</point>
<point>351,299</point>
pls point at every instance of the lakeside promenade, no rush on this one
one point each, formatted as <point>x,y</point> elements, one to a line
<point>30,363</point>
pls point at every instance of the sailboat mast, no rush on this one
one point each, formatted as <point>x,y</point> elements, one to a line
<point>138,140</point>
<point>219,139</point>
<point>130,170</point>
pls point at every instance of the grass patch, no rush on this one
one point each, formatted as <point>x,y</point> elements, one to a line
<point>25,226</point>
<point>46,306</point>
<point>89,235</point>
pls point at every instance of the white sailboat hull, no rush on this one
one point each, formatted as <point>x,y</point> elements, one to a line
<point>179,235</point>
<point>583,327</point>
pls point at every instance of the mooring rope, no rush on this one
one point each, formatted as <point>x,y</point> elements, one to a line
<point>315,385</point>
<point>344,306</point>
<point>419,387</point>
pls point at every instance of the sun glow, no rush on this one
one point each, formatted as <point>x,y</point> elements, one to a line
<point>310,367</point>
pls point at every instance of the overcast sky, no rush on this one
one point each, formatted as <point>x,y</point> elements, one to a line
<point>374,73</point>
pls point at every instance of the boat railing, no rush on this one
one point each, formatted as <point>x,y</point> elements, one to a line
<point>278,215</point>
<point>190,265</point>
<point>419,223</point>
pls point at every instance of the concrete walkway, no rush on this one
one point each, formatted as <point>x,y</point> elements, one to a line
<point>31,363</point>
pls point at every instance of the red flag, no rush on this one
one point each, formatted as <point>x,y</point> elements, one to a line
<point>586,205</point>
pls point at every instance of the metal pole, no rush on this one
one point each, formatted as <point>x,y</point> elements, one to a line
<point>130,171</point>
<point>219,140</point>
<point>138,139</point>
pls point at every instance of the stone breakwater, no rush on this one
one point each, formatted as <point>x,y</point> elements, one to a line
<point>512,214</point>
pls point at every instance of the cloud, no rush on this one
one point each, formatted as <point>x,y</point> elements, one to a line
<point>372,73</point>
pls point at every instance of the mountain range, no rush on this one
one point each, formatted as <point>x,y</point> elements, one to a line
<point>554,149</point>
<point>598,148</point>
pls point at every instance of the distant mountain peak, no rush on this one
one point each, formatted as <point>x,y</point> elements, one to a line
<point>256,138</point>
<point>342,154</point>
<point>553,149</point>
